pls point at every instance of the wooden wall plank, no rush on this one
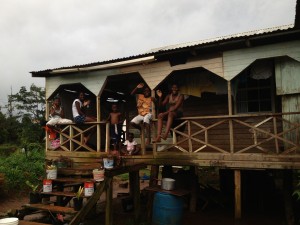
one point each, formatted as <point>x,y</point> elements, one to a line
<point>236,61</point>
<point>287,73</point>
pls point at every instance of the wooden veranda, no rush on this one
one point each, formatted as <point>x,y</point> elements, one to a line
<point>237,141</point>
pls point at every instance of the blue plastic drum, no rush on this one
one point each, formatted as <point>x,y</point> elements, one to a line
<point>167,209</point>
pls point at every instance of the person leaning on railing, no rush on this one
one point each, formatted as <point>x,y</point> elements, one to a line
<point>79,116</point>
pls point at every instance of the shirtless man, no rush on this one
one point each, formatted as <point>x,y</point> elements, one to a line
<point>174,102</point>
<point>115,121</point>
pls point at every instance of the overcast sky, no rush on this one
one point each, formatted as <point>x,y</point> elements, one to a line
<point>38,34</point>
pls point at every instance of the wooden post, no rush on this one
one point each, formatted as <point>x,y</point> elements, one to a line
<point>71,138</point>
<point>98,124</point>
<point>275,133</point>
<point>153,175</point>
<point>287,196</point>
<point>152,182</point>
<point>107,139</point>
<point>193,185</point>
<point>230,120</point>
<point>46,117</point>
<point>237,194</point>
<point>109,201</point>
<point>143,145</point>
<point>134,187</point>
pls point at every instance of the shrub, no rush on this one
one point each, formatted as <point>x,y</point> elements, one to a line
<point>19,167</point>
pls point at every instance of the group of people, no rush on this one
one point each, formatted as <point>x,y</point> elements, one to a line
<point>56,114</point>
<point>173,103</point>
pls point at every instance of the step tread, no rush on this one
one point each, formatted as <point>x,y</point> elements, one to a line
<point>75,171</point>
<point>52,208</point>
<point>61,193</point>
<point>25,222</point>
<point>72,180</point>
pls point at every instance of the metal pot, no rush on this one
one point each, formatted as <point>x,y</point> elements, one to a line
<point>168,184</point>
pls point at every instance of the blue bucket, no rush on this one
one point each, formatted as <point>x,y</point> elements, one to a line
<point>167,209</point>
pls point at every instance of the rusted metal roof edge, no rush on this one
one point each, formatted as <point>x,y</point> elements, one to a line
<point>168,49</point>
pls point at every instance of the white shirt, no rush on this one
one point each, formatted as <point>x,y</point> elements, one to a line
<point>130,145</point>
<point>74,108</point>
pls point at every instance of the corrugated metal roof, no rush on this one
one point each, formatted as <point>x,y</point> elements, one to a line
<point>222,38</point>
<point>182,46</point>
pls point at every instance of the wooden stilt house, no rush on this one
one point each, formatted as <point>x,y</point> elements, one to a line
<point>241,107</point>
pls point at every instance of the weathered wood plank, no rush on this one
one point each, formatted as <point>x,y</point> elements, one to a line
<point>237,194</point>
<point>26,222</point>
<point>126,169</point>
<point>52,208</point>
<point>91,202</point>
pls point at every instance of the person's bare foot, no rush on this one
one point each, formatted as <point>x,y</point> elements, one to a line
<point>164,137</point>
<point>85,140</point>
<point>148,141</point>
<point>157,139</point>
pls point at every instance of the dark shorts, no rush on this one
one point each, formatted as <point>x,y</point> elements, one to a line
<point>115,137</point>
<point>178,114</point>
<point>79,119</point>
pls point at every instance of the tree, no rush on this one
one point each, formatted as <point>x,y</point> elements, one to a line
<point>31,110</point>
<point>30,103</point>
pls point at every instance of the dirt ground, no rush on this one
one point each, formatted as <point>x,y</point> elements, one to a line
<point>210,215</point>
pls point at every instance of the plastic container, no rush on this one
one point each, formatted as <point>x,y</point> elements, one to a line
<point>168,184</point>
<point>51,174</point>
<point>108,163</point>
<point>88,189</point>
<point>167,209</point>
<point>47,185</point>
<point>98,175</point>
<point>9,221</point>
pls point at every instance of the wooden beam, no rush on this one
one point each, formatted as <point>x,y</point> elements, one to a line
<point>125,169</point>
<point>134,187</point>
<point>237,194</point>
<point>107,140</point>
<point>108,206</point>
<point>98,125</point>
<point>91,202</point>
<point>193,185</point>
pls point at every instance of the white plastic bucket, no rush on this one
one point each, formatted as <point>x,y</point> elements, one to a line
<point>9,221</point>
<point>168,184</point>
<point>88,188</point>
<point>98,175</point>
<point>108,163</point>
<point>47,185</point>
<point>51,174</point>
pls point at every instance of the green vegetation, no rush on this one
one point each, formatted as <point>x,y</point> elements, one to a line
<point>297,191</point>
<point>125,176</point>
<point>20,167</point>
<point>33,187</point>
<point>21,139</point>
<point>79,192</point>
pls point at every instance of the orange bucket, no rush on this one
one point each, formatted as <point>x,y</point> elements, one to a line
<point>88,188</point>
<point>47,185</point>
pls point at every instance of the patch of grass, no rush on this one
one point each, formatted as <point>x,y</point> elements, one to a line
<point>125,176</point>
<point>7,149</point>
<point>19,167</point>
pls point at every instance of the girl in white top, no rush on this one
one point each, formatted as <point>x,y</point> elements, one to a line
<point>57,114</point>
<point>130,146</point>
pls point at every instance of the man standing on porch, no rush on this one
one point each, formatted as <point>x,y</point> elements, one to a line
<point>144,102</point>
<point>79,116</point>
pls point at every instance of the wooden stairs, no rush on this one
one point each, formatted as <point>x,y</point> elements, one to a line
<point>72,180</point>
